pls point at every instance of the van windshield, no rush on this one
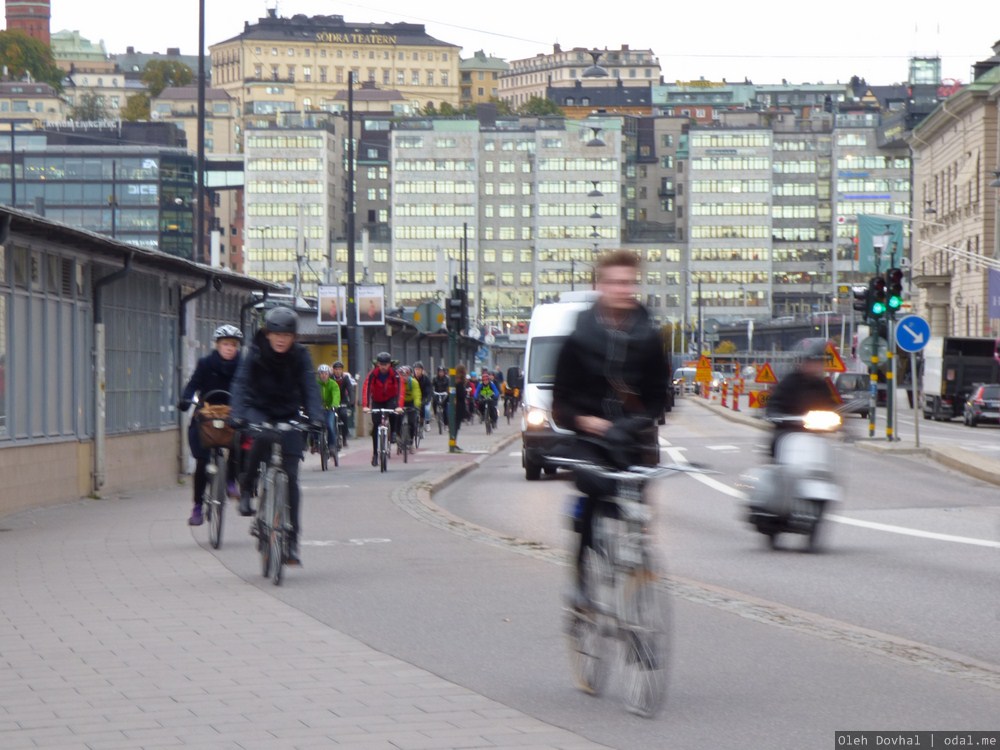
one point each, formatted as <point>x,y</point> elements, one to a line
<point>542,359</point>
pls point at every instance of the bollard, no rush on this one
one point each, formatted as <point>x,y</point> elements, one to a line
<point>737,389</point>
<point>725,383</point>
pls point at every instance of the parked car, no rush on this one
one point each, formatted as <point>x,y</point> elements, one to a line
<point>983,404</point>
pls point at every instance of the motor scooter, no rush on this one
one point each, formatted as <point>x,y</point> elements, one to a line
<point>791,495</point>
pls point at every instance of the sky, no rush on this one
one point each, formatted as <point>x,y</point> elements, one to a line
<point>766,41</point>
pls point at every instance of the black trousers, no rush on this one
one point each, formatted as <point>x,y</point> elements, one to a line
<point>291,457</point>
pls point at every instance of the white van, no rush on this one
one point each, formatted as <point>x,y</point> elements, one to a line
<point>551,323</point>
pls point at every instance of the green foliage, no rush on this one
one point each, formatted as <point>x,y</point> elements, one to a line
<point>725,347</point>
<point>136,108</point>
<point>24,55</point>
<point>158,74</point>
<point>89,108</point>
<point>429,110</point>
<point>537,106</point>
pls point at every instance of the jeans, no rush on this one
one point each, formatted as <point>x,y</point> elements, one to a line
<point>291,455</point>
<point>331,427</point>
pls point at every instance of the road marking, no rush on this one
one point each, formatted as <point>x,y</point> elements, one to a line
<point>723,447</point>
<point>345,542</point>
<point>888,528</point>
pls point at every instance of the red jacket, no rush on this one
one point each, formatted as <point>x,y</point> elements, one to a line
<point>378,391</point>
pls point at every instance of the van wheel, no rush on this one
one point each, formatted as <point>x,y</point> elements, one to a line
<point>550,470</point>
<point>532,471</point>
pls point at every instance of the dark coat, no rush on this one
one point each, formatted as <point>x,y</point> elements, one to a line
<point>212,373</point>
<point>798,393</point>
<point>609,373</point>
<point>273,387</point>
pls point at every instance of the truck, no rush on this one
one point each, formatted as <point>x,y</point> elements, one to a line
<point>952,366</point>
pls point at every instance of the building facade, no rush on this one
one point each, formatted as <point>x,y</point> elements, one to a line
<point>30,16</point>
<point>299,64</point>
<point>480,78</point>
<point>531,77</point>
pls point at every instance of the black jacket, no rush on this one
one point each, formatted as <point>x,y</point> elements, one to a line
<point>212,373</point>
<point>273,387</point>
<point>798,393</point>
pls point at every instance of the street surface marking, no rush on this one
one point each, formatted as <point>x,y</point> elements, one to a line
<point>346,542</point>
<point>903,530</point>
<point>723,447</point>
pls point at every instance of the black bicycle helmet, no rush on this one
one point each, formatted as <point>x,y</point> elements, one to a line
<point>281,320</point>
<point>383,358</point>
<point>339,364</point>
<point>417,364</point>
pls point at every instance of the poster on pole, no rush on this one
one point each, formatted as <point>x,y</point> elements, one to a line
<point>331,307</point>
<point>371,305</point>
<point>870,227</point>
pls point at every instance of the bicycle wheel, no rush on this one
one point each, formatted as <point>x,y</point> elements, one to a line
<point>265,503</point>
<point>217,501</point>
<point>404,439</point>
<point>278,521</point>
<point>335,447</point>
<point>589,647</point>
<point>383,450</point>
<point>488,420</point>
<point>419,434</point>
<point>324,450</point>
<point>644,644</point>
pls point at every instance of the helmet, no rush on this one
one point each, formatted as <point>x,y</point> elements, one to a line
<point>815,352</point>
<point>339,364</point>
<point>417,364</point>
<point>383,358</point>
<point>281,320</point>
<point>404,370</point>
<point>323,368</point>
<point>227,331</point>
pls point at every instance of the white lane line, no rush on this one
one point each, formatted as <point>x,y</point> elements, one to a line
<point>914,532</point>
<point>729,448</point>
<point>725,489</point>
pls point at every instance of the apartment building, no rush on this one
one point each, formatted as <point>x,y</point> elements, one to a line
<point>300,64</point>
<point>480,78</point>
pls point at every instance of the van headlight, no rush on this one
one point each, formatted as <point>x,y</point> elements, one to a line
<point>537,418</point>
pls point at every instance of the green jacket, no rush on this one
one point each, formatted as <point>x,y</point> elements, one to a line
<point>329,393</point>
<point>413,395</point>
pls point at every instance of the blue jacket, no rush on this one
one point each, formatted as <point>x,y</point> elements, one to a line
<point>492,387</point>
<point>212,373</point>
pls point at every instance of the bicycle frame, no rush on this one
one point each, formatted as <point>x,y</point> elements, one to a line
<point>382,440</point>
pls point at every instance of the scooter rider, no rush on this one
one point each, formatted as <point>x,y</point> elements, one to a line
<point>804,389</point>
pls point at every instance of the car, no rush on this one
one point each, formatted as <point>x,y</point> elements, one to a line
<point>855,392</point>
<point>683,380</point>
<point>983,404</point>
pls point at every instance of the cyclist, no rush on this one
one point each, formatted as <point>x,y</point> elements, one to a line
<point>273,383</point>
<point>346,384</point>
<point>441,384</point>
<point>611,367</point>
<point>460,402</point>
<point>329,394</point>
<point>424,380</point>
<point>487,396</point>
<point>214,372</point>
<point>382,389</point>
<point>471,385</point>
<point>412,399</point>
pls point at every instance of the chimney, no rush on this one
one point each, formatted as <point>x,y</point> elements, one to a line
<point>130,50</point>
<point>556,49</point>
<point>173,51</point>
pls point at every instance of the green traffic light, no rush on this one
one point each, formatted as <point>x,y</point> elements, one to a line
<point>895,302</point>
<point>878,308</point>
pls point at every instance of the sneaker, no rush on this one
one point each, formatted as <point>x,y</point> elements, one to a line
<point>245,509</point>
<point>196,519</point>
<point>232,490</point>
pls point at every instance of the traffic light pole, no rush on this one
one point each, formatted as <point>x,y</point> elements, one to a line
<point>890,384</point>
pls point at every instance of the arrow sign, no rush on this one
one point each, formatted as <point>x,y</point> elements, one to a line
<point>912,333</point>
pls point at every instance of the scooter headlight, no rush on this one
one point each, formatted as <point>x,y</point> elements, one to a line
<point>821,421</point>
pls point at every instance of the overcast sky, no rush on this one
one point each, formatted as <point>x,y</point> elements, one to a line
<point>765,41</point>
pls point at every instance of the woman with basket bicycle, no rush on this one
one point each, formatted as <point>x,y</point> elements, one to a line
<point>211,380</point>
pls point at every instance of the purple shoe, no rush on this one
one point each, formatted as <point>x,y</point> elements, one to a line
<point>232,490</point>
<point>196,519</point>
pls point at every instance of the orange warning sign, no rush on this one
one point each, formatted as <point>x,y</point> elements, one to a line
<point>765,374</point>
<point>832,361</point>
<point>758,399</point>
<point>703,373</point>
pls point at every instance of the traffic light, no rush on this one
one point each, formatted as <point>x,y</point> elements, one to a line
<point>894,288</point>
<point>457,310</point>
<point>876,298</point>
<point>861,300</point>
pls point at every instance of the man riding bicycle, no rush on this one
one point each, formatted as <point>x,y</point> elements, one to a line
<point>612,367</point>
<point>346,385</point>
<point>487,397</point>
<point>424,380</point>
<point>273,383</point>
<point>329,393</point>
<point>382,389</point>
<point>412,399</point>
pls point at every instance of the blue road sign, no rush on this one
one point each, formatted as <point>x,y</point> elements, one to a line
<point>912,333</point>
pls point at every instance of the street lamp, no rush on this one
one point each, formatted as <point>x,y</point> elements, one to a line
<point>595,70</point>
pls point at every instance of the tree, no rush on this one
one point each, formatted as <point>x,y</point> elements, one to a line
<point>158,74</point>
<point>536,106</point>
<point>136,108</point>
<point>89,108</point>
<point>22,55</point>
<point>449,110</point>
<point>429,110</point>
<point>725,347</point>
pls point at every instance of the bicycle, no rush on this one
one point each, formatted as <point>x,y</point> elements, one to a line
<point>328,450</point>
<point>440,402</point>
<point>620,577</point>
<point>272,522</point>
<point>509,406</point>
<point>214,495</point>
<point>404,440</point>
<point>382,437</point>
<point>489,414</point>
<point>418,430</point>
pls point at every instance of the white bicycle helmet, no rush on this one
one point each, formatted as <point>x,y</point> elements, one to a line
<point>323,368</point>
<point>226,331</point>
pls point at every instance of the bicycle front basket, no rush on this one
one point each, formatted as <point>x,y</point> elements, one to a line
<point>212,428</point>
